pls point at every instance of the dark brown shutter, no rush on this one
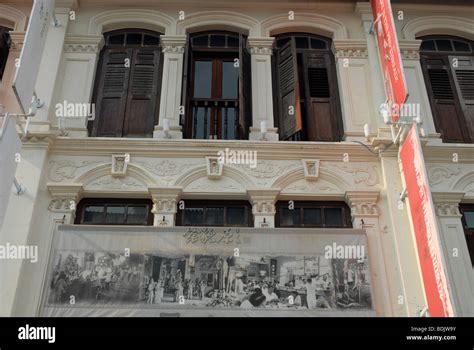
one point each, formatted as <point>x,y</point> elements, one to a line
<point>112,92</point>
<point>142,99</point>
<point>463,74</point>
<point>245,81</point>
<point>186,119</point>
<point>288,90</point>
<point>322,115</point>
<point>447,114</point>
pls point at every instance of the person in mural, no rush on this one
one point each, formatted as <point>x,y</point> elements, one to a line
<point>255,300</point>
<point>190,289</point>
<point>60,288</point>
<point>203,289</point>
<point>269,294</point>
<point>323,286</point>
<point>294,299</point>
<point>157,292</point>
<point>311,300</point>
<point>151,287</point>
<point>179,290</point>
<point>239,284</point>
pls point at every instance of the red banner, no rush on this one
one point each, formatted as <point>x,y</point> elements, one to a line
<point>390,60</point>
<point>425,227</point>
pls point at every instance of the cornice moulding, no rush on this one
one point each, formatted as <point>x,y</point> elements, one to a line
<point>329,151</point>
<point>447,197</point>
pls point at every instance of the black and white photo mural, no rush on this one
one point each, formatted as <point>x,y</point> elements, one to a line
<point>190,273</point>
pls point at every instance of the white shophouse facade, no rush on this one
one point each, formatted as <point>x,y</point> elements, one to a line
<point>60,168</point>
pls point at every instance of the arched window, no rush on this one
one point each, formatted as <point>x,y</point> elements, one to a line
<point>4,48</point>
<point>305,90</point>
<point>217,85</point>
<point>448,68</point>
<point>128,83</point>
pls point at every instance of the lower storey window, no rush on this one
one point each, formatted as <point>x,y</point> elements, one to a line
<point>215,213</point>
<point>114,212</point>
<point>467,211</point>
<point>313,214</point>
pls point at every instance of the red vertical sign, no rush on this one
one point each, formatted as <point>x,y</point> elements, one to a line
<point>389,52</point>
<point>425,227</point>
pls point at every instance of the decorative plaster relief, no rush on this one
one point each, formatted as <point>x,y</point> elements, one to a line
<point>438,174</point>
<point>447,209</point>
<point>214,167</point>
<point>62,204</point>
<point>120,164</point>
<point>269,169</point>
<point>67,169</point>
<point>311,168</point>
<point>164,206</point>
<point>304,186</point>
<point>263,207</point>
<point>167,167</point>
<point>351,53</point>
<point>116,183</point>
<point>364,209</point>
<point>362,174</point>
<point>225,184</point>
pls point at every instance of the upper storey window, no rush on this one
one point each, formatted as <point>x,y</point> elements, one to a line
<point>305,89</point>
<point>448,68</point>
<point>4,48</point>
<point>217,86</point>
<point>128,84</point>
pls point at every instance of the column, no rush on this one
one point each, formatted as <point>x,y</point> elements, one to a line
<point>406,285</point>
<point>78,65</point>
<point>262,88</point>
<point>457,260</point>
<point>171,86</point>
<point>365,215</point>
<point>263,206</point>
<point>376,78</point>
<point>417,93</point>
<point>165,200</point>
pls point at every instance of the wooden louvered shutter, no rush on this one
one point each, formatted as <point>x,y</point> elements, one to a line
<point>447,114</point>
<point>186,119</point>
<point>322,115</point>
<point>245,81</point>
<point>142,101</point>
<point>463,74</point>
<point>288,90</point>
<point>112,92</point>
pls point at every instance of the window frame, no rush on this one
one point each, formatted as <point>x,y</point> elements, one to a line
<point>113,202</point>
<point>302,56</point>
<point>457,101</point>
<point>216,105</point>
<point>93,126</point>
<point>468,232</point>
<point>301,205</point>
<point>212,204</point>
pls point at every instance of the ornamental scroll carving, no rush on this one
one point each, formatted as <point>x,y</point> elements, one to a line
<point>438,174</point>
<point>66,169</point>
